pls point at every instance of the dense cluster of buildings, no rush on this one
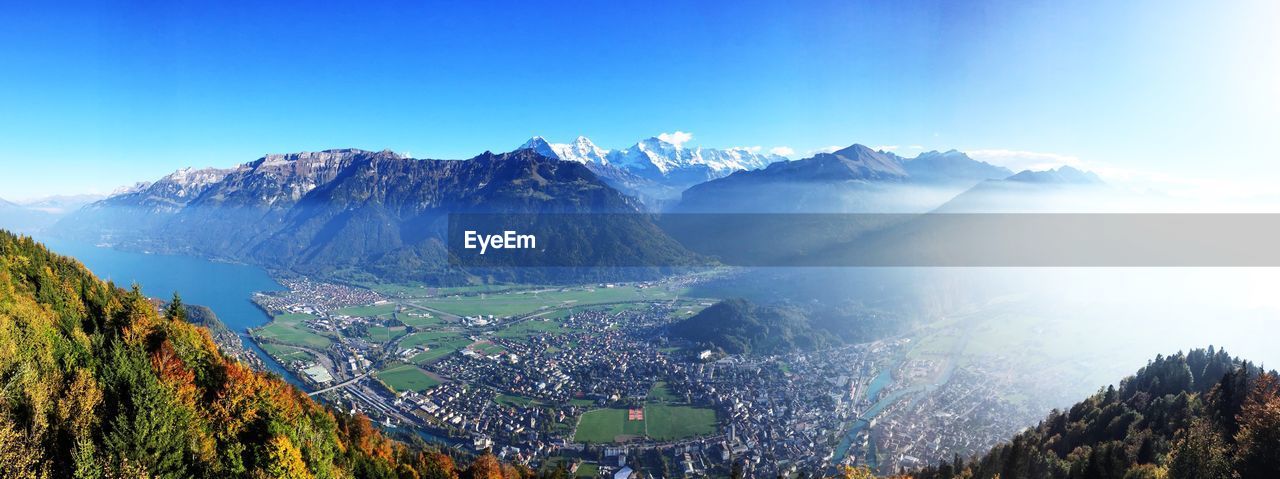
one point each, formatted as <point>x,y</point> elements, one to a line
<point>307,296</point>
<point>970,411</point>
<point>520,389</point>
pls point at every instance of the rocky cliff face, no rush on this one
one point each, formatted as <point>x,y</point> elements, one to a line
<point>348,212</point>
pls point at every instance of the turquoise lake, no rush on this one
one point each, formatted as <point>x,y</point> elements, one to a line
<point>223,287</point>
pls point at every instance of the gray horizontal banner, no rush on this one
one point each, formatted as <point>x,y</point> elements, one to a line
<point>975,240</point>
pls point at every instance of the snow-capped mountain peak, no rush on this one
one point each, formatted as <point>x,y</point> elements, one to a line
<point>664,157</point>
<point>581,150</point>
<point>657,159</point>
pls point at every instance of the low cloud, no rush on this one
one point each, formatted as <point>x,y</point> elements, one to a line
<point>826,149</point>
<point>1018,160</point>
<point>886,147</point>
<point>782,151</point>
<point>677,138</point>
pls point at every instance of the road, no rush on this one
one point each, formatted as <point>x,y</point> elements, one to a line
<point>339,385</point>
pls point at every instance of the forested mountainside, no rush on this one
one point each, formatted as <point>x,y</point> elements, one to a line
<point>737,326</point>
<point>363,215</point>
<point>97,383</point>
<point>1200,415</point>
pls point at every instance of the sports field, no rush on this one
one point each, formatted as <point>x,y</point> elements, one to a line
<point>440,342</point>
<point>407,377</point>
<point>382,334</point>
<point>286,353</point>
<point>666,423</point>
<point>606,426</point>
<point>656,421</point>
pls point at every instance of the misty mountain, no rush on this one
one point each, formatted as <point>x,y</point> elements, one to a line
<point>33,216</point>
<point>854,179</point>
<point>359,214</point>
<point>61,204</point>
<point>951,166</point>
<point>1064,175</point>
<point>1065,189</point>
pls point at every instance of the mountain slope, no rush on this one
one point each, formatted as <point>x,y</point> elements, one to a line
<point>99,384</point>
<point>359,214</point>
<point>1200,415</point>
<point>951,166</point>
<point>851,180</point>
<point>737,326</point>
<point>1065,189</point>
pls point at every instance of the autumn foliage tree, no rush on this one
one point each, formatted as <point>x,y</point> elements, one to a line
<point>96,382</point>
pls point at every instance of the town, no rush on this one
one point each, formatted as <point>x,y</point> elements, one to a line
<point>586,378</point>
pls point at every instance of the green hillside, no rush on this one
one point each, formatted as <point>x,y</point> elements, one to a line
<point>1202,415</point>
<point>95,382</point>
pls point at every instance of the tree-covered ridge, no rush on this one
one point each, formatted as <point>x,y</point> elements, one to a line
<point>94,382</point>
<point>1202,415</point>
<point>738,326</point>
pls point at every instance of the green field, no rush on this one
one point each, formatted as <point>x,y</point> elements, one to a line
<point>382,334</point>
<point>440,342</point>
<point>666,423</point>
<point>485,347</point>
<point>416,290</point>
<point>660,392</point>
<point>418,321</point>
<point>371,310</point>
<point>509,400</point>
<point>432,338</point>
<point>606,426</point>
<point>407,377</point>
<point>288,329</point>
<point>587,469</point>
<point>286,353</point>
<point>524,329</point>
<point>526,302</point>
<point>661,422</point>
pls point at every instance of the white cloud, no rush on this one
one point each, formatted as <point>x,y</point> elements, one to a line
<point>782,151</point>
<point>826,149</point>
<point>915,147</point>
<point>1018,160</point>
<point>886,147</point>
<point>677,138</point>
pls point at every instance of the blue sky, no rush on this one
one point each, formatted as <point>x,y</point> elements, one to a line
<point>95,97</point>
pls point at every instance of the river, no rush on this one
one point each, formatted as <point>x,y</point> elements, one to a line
<point>225,288</point>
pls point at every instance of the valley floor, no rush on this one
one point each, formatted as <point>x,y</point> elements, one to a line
<point>586,374</point>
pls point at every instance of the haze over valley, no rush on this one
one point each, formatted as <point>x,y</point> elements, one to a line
<point>657,240</point>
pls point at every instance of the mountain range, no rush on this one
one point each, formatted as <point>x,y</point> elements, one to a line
<point>379,216</point>
<point>853,179</point>
<point>653,170</point>
<point>360,214</point>
<point>657,159</point>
